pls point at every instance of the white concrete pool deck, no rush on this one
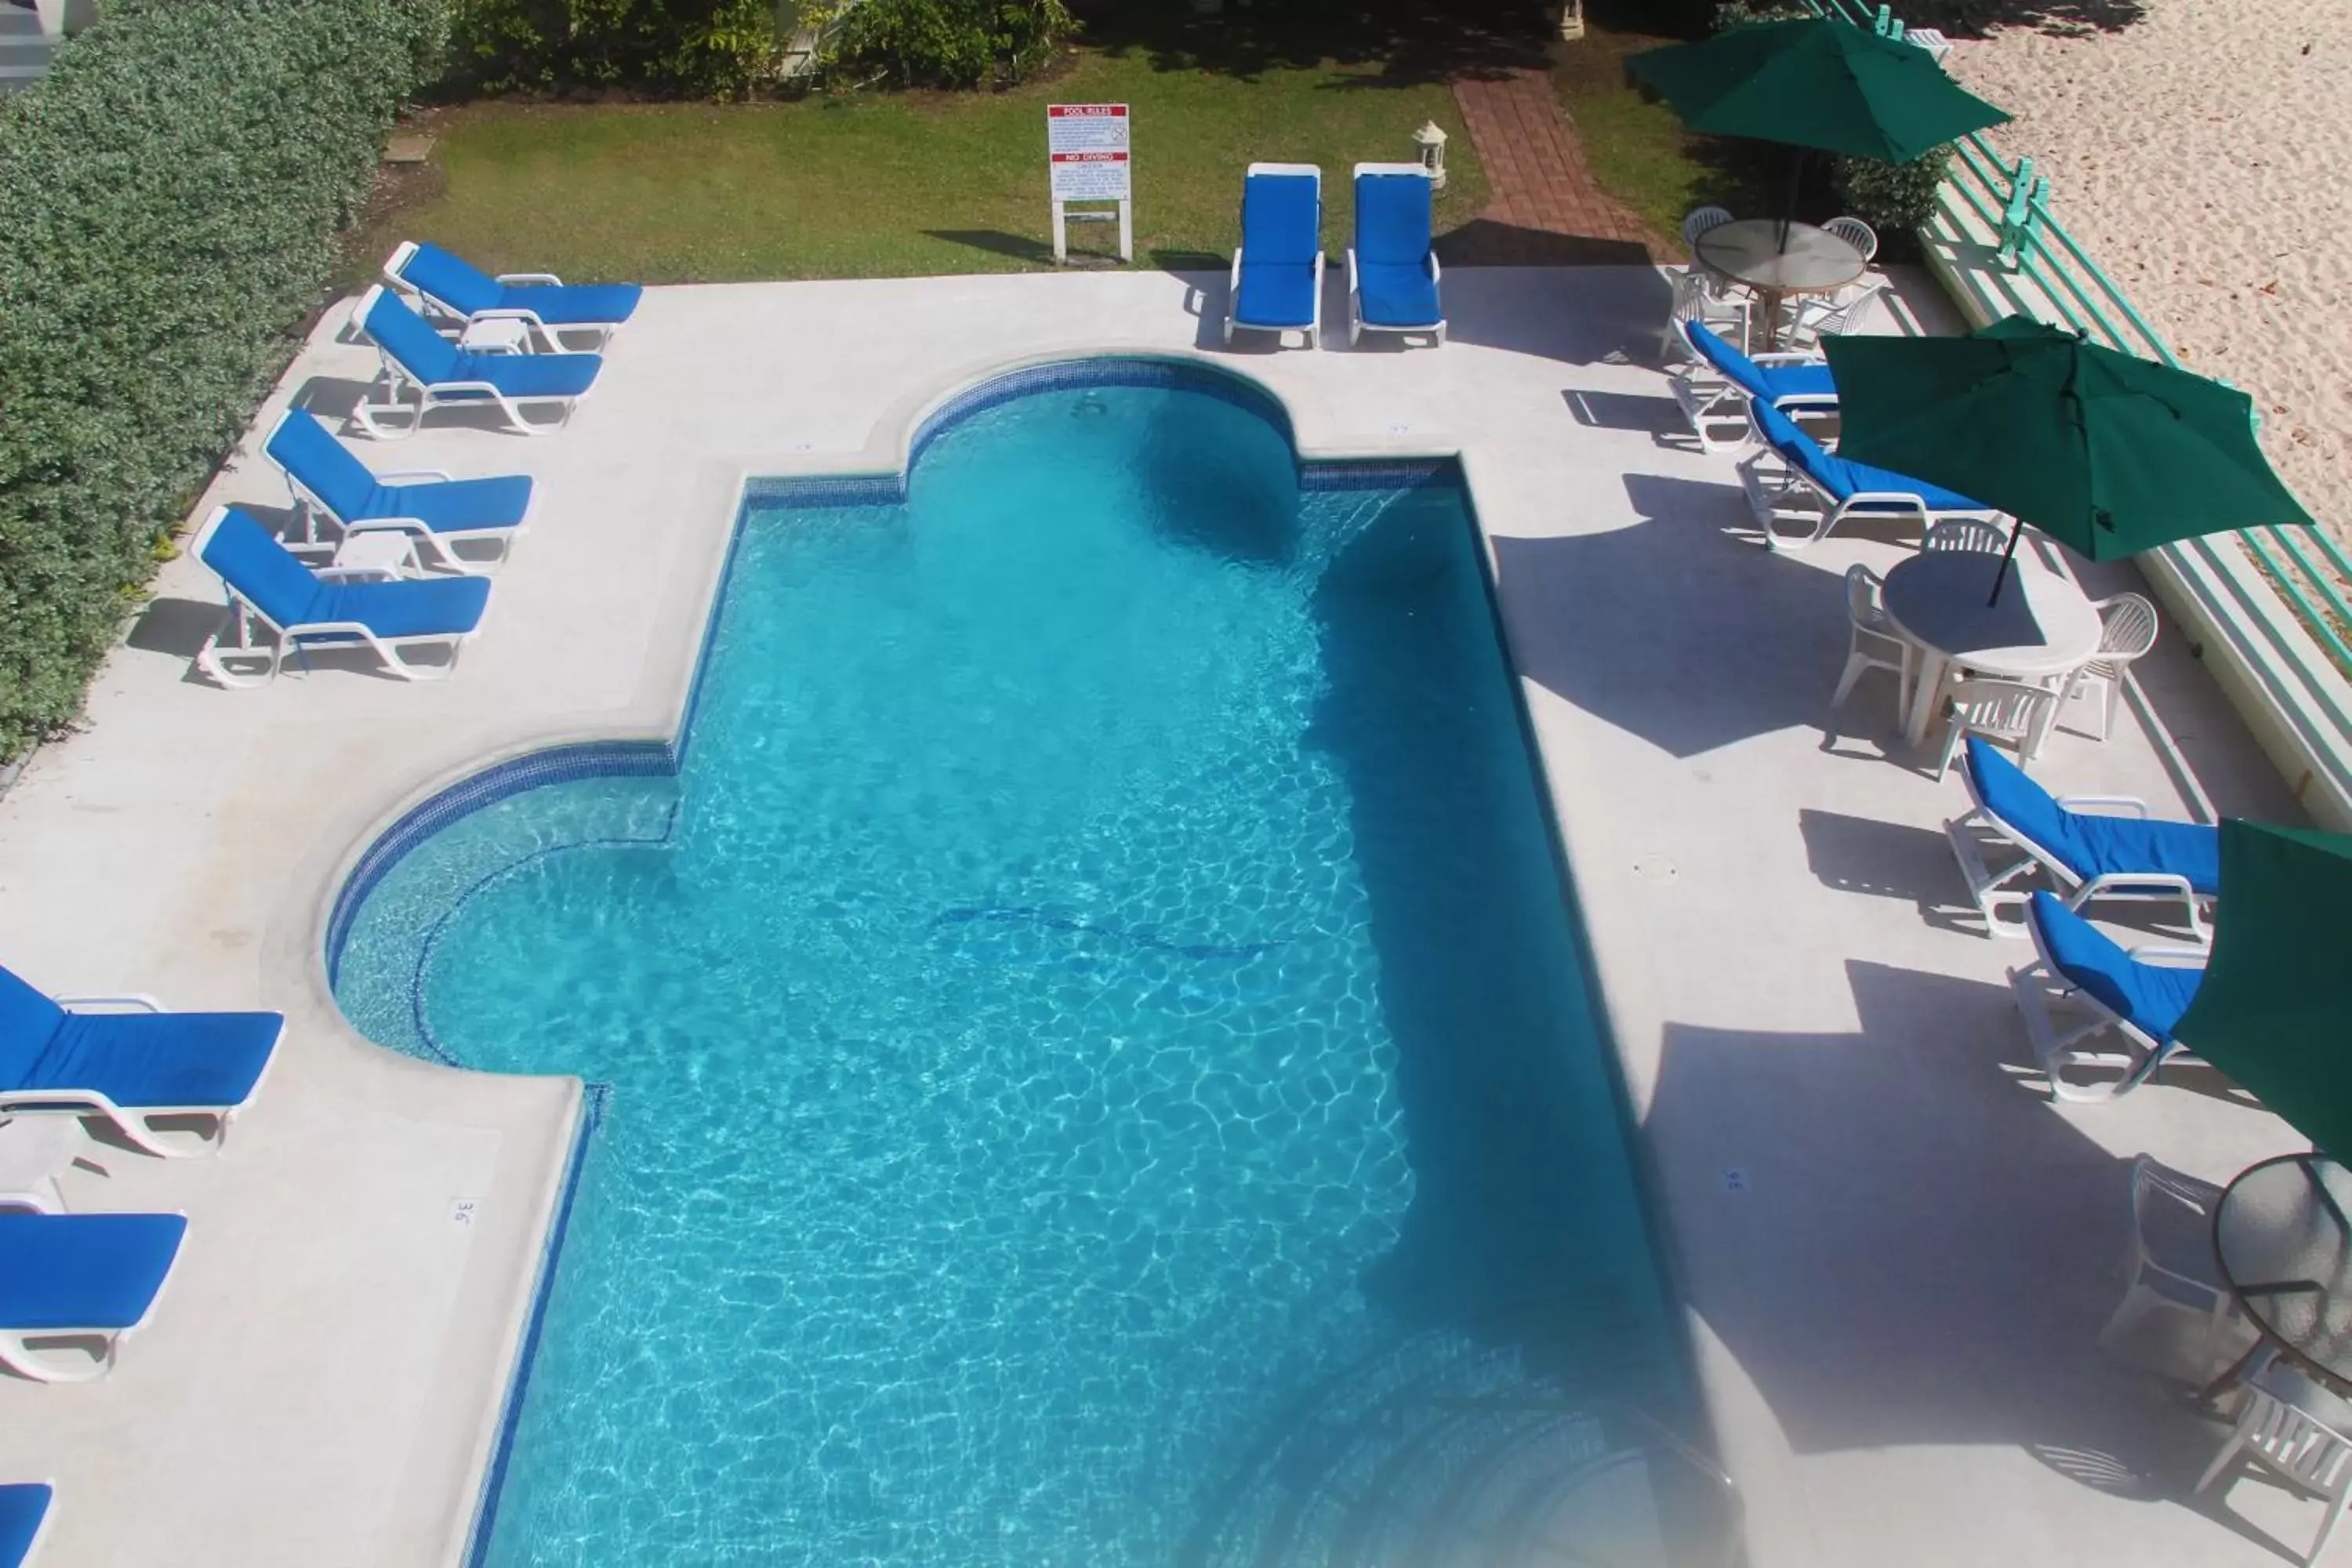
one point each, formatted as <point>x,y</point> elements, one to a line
<point>1892,1312</point>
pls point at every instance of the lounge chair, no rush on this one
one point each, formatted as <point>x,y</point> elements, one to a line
<point>434,510</point>
<point>24,1513</point>
<point>440,374</point>
<point>1713,387</point>
<point>2094,847</point>
<point>1277,278</point>
<point>88,1277</point>
<point>2139,995</point>
<point>1807,486</point>
<point>1391,270</point>
<point>305,609</point>
<point>540,302</point>
<point>127,1060</point>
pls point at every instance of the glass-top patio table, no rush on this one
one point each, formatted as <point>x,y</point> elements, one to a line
<point>1748,251</point>
<point>2283,1239</point>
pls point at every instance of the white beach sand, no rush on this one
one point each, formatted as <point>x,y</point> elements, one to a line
<point>2203,156</point>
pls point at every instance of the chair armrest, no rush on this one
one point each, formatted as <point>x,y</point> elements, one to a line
<point>356,575</point>
<point>137,1001</point>
<point>410,476</point>
<point>529,277</point>
<point>2173,957</point>
<point>1434,269</point>
<point>2108,804</point>
<point>415,525</point>
<point>1352,269</point>
<point>1917,503</point>
<point>1781,359</point>
<point>1235,282</point>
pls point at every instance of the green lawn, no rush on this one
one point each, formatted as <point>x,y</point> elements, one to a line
<point>1640,152</point>
<point>891,186</point>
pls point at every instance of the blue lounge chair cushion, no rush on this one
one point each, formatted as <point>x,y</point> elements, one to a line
<point>2151,996</point>
<point>467,289</point>
<point>285,591</point>
<point>83,1270</point>
<point>1282,234</point>
<point>1392,250</point>
<point>1771,384</point>
<point>138,1060</point>
<point>1844,481</point>
<point>435,362</point>
<point>1397,296</point>
<point>2089,844</point>
<point>308,450</point>
<point>23,1505</point>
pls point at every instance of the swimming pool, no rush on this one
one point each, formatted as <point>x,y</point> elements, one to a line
<point>1100,1072</point>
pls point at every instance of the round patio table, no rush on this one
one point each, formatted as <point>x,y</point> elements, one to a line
<point>2284,1244</point>
<point>1748,251</point>
<point>2043,624</point>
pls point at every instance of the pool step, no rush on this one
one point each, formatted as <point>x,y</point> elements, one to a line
<point>1452,1450</point>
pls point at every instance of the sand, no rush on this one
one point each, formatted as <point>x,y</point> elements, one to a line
<point>2202,154</point>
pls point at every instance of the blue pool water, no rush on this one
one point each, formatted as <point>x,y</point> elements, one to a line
<point>1094,1016</point>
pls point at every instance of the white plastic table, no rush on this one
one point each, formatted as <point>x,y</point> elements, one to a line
<point>33,1150</point>
<point>376,554</point>
<point>497,335</point>
<point>2043,624</point>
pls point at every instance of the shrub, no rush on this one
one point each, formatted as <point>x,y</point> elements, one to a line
<point>691,48</point>
<point>945,43</point>
<point>1893,198</point>
<point>172,193</point>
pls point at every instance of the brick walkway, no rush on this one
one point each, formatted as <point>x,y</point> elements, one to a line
<point>1542,207</point>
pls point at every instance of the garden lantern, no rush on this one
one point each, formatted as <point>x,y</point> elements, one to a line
<point>1429,148</point>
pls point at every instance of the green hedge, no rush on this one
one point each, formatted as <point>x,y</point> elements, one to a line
<point>688,48</point>
<point>172,196</point>
<point>944,43</point>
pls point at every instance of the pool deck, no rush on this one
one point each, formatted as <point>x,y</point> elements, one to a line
<point>1893,1253</point>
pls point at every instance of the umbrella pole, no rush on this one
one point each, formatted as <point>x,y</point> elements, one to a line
<point>1788,204</point>
<point>2016,527</point>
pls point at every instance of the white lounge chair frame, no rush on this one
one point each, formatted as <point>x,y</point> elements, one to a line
<point>430,306</point>
<point>213,656</point>
<point>1712,402</point>
<point>2040,991</point>
<point>1790,495</point>
<point>1357,325</point>
<point>18,1354</point>
<point>133,1122</point>
<point>430,546</point>
<point>1314,329</point>
<point>443,394</point>
<point>2001,901</point>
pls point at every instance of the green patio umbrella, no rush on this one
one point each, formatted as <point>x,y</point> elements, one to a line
<point>2107,452</point>
<point>1821,84</point>
<point>2275,1008</point>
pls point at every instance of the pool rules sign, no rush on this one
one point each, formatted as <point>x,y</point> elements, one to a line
<point>1086,161</point>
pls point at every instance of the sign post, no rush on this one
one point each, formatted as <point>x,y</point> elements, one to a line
<point>1086,159</point>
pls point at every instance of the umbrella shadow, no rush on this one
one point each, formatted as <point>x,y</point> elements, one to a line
<point>1919,1252</point>
<point>1681,636</point>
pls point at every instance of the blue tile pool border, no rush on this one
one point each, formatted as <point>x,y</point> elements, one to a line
<point>594,1100</point>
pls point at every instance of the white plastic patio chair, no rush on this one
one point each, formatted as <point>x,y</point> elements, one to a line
<point>2010,712</point>
<point>1871,641</point>
<point>1816,316</point>
<point>2176,1317</point>
<point>1698,220</point>
<point>1854,232</point>
<point>1696,298</point>
<point>2126,632</point>
<point>2297,1430</point>
<point>1975,533</point>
